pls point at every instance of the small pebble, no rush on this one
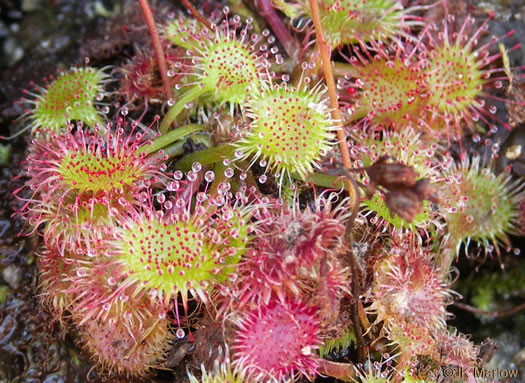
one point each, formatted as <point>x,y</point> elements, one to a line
<point>30,5</point>
<point>13,51</point>
<point>13,276</point>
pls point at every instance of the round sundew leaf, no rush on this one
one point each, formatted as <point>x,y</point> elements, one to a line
<point>481,206</point>
<point>409,289</point>
<point>236,234</point>
<point>167,257</point>
<point>53,282</point>
<point>229,71</point>
<point>76,225</point>
<point>86,171</point>
<point>351,21</point>
<point>227,63</point>
<point>80,180</point>
<point>291,129</point>
<point>460,72</point>
<point>131,341</point>
<point>378,206</point>
<point>456,79</point>
<point>391,92</point>
<point>222,373</point>
<point>70,97</point>
<point>180,32</point>
<point>278,340</point>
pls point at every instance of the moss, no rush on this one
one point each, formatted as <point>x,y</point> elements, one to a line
<point>489,289</point>
<point>4,291</point>
<point>4,154</point>
<point>337,344</point>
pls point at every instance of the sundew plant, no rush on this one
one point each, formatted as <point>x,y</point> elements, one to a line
<point>220,206</point>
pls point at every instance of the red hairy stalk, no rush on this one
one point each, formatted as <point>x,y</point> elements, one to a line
<point>157,46</point>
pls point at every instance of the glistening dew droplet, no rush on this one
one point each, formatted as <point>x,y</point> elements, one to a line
<point>209,176</point>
